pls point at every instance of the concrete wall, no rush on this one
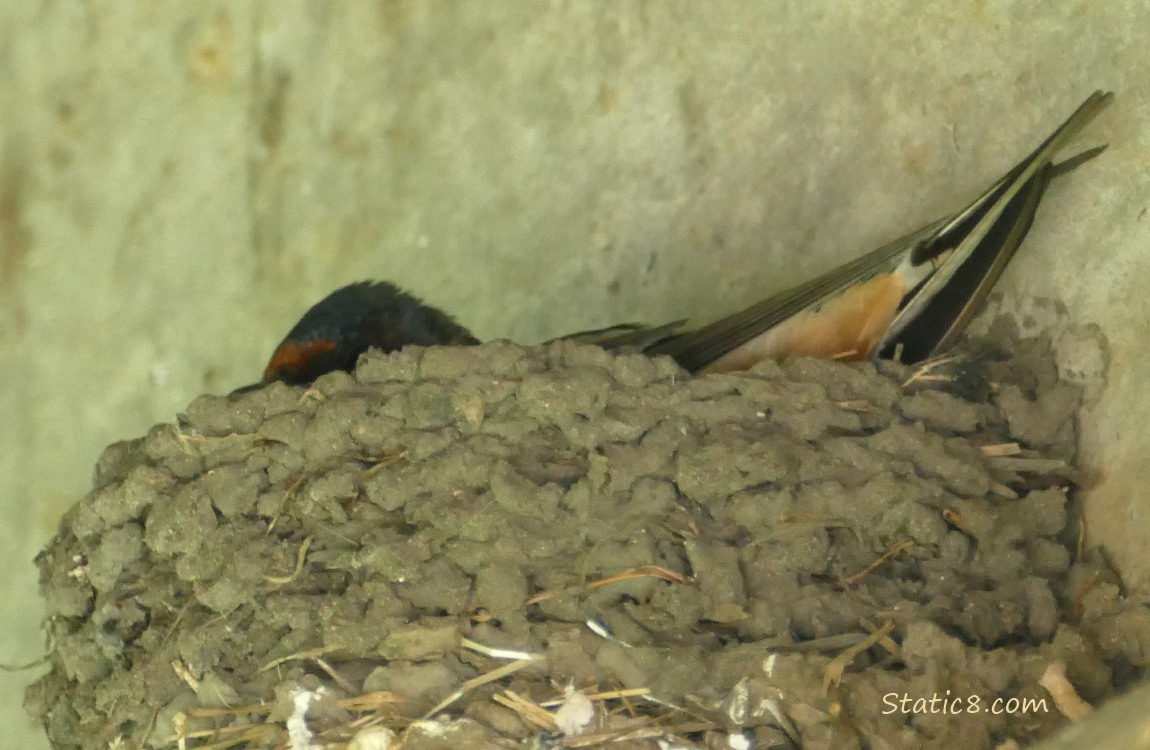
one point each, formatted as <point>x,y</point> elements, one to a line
<point>178,181</point>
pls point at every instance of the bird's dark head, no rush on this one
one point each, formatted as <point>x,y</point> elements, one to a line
<point>339,328</point>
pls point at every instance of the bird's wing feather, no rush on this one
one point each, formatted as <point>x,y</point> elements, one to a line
<point>990,228</point>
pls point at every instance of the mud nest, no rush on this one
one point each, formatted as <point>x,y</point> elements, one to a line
<point>501,546</point>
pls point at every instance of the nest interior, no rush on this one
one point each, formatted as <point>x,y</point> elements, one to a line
<point>783,555</point>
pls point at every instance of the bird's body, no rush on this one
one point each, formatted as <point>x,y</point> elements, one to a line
<point>846,327</point>
<point>909,299</point>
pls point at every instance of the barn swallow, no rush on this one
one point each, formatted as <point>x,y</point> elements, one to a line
<point>909,299</point>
